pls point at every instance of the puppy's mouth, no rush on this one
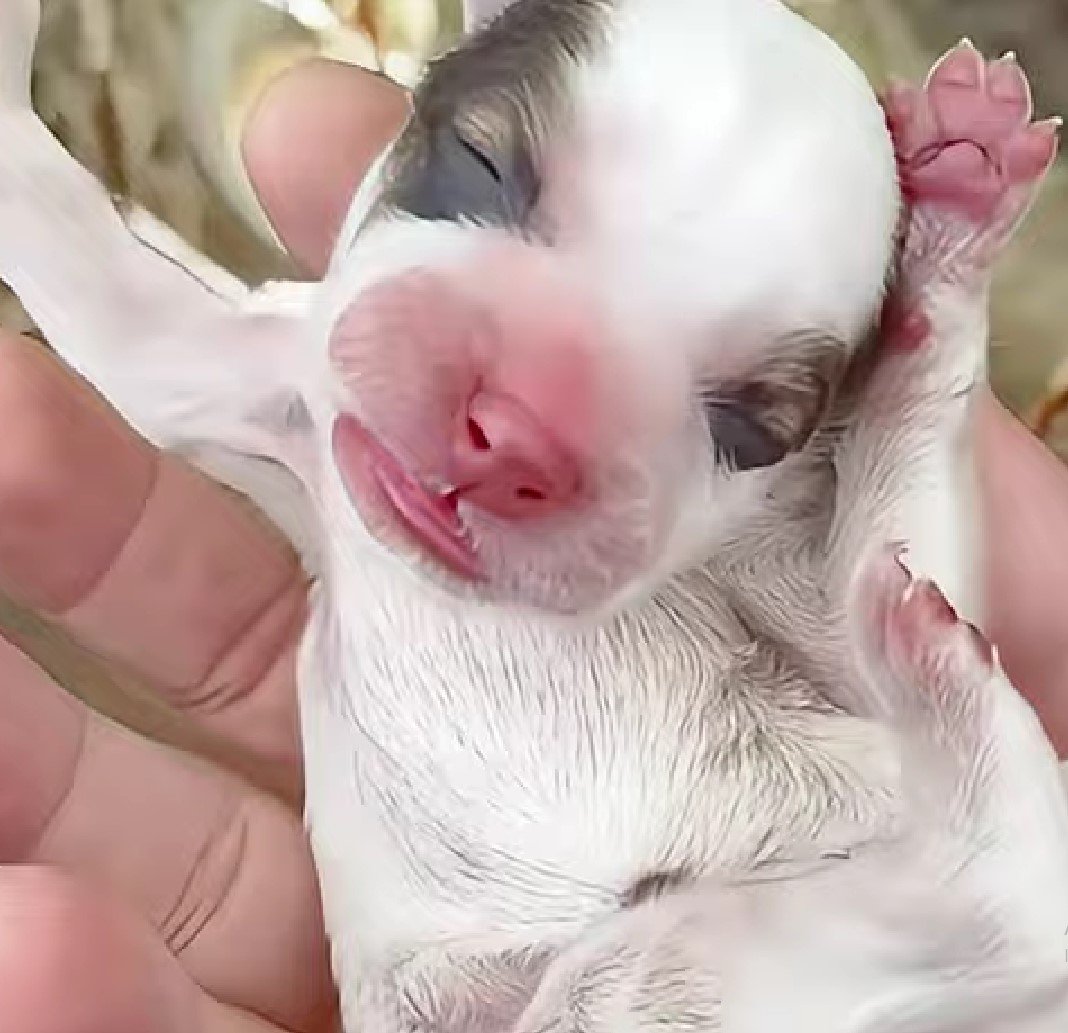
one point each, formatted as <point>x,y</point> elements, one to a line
<point>384,490</point>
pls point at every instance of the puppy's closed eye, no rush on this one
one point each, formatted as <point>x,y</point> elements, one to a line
<point>758,421</point>
<point>451,172</point>
<point>741,441</point>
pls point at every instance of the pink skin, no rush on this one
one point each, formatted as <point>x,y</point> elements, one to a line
<point>915,635</point>
<point>968,153</point>
<point>499,414</point>
<point>921,620</point>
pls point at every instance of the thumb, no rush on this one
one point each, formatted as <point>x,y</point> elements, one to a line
<point>307,144</point>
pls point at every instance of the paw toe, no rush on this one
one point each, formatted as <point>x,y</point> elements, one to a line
<point>1030,152</point>
<point>1009,88</point>
<point>960,67</point>
<point>915,628</point>
<point>925,635</point>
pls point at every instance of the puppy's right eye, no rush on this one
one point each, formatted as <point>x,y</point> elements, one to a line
<point>741,441</point>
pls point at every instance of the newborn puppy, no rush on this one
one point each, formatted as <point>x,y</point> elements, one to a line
<point>617,712</point>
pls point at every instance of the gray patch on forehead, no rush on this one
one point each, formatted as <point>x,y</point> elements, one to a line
<point>484,112</point>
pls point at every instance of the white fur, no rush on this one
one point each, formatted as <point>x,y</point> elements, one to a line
<point>484,784</point>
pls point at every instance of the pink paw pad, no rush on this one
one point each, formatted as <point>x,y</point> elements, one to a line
<point>965,139</point>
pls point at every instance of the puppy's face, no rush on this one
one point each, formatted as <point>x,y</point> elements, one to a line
<point>603,284</point>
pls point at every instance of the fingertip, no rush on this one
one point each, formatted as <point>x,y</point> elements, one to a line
<point>72,957</point>
<point>308,142</point>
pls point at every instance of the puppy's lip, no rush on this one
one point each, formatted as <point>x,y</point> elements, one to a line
<point>379,483</point>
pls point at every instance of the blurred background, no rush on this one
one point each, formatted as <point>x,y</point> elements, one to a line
<point>150,94</point>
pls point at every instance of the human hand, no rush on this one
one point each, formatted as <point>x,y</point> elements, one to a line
<point>141,890</point>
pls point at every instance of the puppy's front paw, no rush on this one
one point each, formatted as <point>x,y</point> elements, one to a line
<point>965,141</point>
<point>931,675</point>
<point>970,161</point>
<point>918,635</point>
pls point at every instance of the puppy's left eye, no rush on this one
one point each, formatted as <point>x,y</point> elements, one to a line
<point>740,439</point>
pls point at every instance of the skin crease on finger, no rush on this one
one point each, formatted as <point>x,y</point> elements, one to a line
<point>194,851</point>
<point>115,975</point>
<point>89,519</point>
<point>1023,488</point>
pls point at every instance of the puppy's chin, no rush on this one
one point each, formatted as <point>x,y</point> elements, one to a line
<point>575,578</point>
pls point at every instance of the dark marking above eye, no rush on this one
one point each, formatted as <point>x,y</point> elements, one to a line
<point>450,176</point>
<point>486,111</point>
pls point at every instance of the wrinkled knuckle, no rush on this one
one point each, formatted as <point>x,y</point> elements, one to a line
<point>254,882</point>
<point>254,850</point>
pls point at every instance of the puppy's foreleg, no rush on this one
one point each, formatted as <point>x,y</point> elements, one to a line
<point>971,161</point>
<point>187,356</point>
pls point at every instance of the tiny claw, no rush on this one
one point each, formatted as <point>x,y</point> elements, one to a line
<point>982,646</point>
<point>1009,57</point>
<point>900,551</point>
<point>965,41</point>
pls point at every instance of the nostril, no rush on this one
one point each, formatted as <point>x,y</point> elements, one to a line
<point>530,494</point>
<point>477,435</point>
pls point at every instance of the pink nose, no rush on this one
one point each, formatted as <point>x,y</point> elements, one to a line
<point>507,463</point>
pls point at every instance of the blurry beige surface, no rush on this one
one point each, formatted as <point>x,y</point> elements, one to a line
<point>147,93</point>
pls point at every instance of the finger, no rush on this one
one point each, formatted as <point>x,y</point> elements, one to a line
<point>74,960</point>
<point>144,560</point>
<point>222,873</point>
<point>307,144</point>
<point>1025,512</point>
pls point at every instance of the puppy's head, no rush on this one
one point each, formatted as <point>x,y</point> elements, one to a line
<point>600,288</point>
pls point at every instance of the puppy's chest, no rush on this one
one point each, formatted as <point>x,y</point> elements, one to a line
<point>469,778</point>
